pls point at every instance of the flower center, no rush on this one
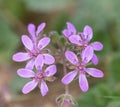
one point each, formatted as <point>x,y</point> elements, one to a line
<point>34,53</point>
<point>39,76</point>
<point>81,68</point>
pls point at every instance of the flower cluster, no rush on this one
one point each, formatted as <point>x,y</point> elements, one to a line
<point>40,63</point>
<point>85,56</point>
<point>36,56</point>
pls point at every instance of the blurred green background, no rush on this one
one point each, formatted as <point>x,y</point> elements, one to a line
<point>102,15</point>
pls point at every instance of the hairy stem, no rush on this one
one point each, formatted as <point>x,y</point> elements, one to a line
<point>65,69</point>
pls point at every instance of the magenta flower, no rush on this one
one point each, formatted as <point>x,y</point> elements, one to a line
<point>83,39</point>
<point>34,48</point>
<point>39,78</point>
<point>80,68</point>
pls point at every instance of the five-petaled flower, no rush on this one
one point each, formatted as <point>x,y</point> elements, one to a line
<point>38,78</point>
<point>80,68</point>
<point>34,48</point>
<point>82,39</point>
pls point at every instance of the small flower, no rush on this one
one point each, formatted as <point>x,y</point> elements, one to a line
<point>80,68</point>
<point>39,78</point>
<point>34,48</point>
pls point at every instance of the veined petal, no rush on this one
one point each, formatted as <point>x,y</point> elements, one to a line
<point>21,56</point>
<point>48,59</point>
<point>29,86</point>
<point>27,42</point>
<point>71,57</point>
<point>75,39</point>
<point>68,78</point>
<point>71,27</point>
<point>39,62</point>
<point>30,64</point>
<point>83,83</point>
<point>31,30</point>
<point>43,42</point>
<point>25,73</point>
<point>66,33</point>
<point>95,72</point>
<point>95,59</point>
<point>97,46</point>
<point>40,28</point>
<point>43,88</point>
<point>51,70</point>
<point>87,54</point>
<point>88,32</point>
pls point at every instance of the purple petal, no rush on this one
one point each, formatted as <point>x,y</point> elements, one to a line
<point>40,28</point>
<point>69,77</point>
<point>75,39</point>
<point>30,64</point>
<point>43,88</point>
<point>31,30</point>
<point>39,62</point>
<point>25,73</point>
<point>83,83</point>
<point>87,54</point>
<point>51,70</point>
<point>48,59</point>
<point>97,46</point>
<point>43,42</point>
<point>95,59</point>
<point>71,57</point>
<point>82,36</point>
<point>88,33</point>
<point>71,27</point>
<point>27,42</point>
<point>29,86</point>
<point>66,33</point>
<point>95,72</point>
<point>21,56</point>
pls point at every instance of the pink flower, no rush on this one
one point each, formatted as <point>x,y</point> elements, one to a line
<point>83,39</point>
<point>80,68</point>
<point>34,48</point>
<point>39,78</point>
